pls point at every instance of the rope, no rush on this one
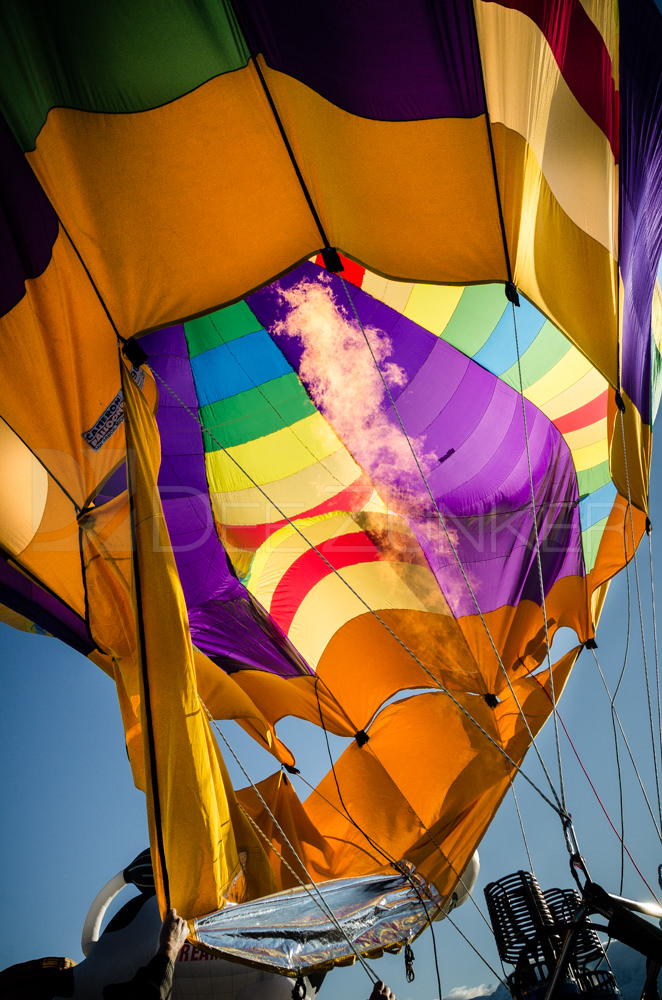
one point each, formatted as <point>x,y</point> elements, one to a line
<point>320,901</point>
<point>641,622</point>
<point>555,806</point>
<point>627,745</point>
<point>539,560</point>
<point>654,620</point>
<point>521,826</point>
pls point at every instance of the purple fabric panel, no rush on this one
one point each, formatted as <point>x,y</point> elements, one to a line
<point>237,634</point>
<point>226,623</point>
<point>468,430</point>
<point>28,224</point>
<point>200,557</point>
<point>45,610</point>
<point>395,61</point>
<point>269,309</point>
<point>641,188</point>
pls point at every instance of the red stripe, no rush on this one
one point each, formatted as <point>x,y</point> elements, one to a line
<point>353,272</point>
<point>581,55</point>
<point>250,536</point>
<point>584,416</point>
<point>307,571</point>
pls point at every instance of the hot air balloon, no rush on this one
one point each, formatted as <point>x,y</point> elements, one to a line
<point>345,330</point>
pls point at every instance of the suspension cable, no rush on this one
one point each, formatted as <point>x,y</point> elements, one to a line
<point>315,895</point>
<point>641,622</point>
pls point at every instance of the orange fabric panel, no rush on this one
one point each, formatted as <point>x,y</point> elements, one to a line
<point>385,784</point>
<point>378,185</point>
<point>65,384</point>
<point>179,209</point>
<point>281,819</point>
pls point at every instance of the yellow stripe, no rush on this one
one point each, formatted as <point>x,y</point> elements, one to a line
<point>431,306</point>
<point>282,549</point>
<point>591,455</point>
<point>584,436</point>
<point>382,585</point>
<point>584,389</point>
<point>273,457</point>
<point>527,93</point>
<point>290,495</point>
<point>565,373</point>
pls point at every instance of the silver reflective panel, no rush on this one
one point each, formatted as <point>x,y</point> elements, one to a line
<point>293,932</point>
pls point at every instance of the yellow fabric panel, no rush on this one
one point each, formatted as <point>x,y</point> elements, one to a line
<point>23,492</point>
<point>196,804</point>
<point>431,306</point>
<point>291,494</point>
<point>566,274</point>
<point>527,93</point>
<point>106,551</point>
<point>273,457</point>
<point>224,699</point>
<point>629,459</point>
<point>179,209</point>
<point>65,386</point>
<point>375,207</point>
<point>587,388</point>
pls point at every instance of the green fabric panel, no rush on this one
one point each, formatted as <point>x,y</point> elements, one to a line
<point>477,313</point>
<point>220,327</point>
<point>591,539</point>
<point>119,57</point>
<point>256,412</point>
<point>656,379</point>
<point>592,479</point>
<point>546,350</point>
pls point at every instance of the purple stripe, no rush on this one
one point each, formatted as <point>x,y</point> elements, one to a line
<point>226,622</point>
<point>474,448</point>
<point>641,189</point>
<point>28,224</point>
<point>386,61</point>
<point>46,611</point>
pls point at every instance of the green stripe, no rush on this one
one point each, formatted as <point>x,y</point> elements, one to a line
<point>591,539</point>
<point>256,412</point>
<point>477,313</point>
<point>546,350</point>
<point>656,380</point>
<point>591,480</point>
<point>116,57</point>
<point>220,327</point>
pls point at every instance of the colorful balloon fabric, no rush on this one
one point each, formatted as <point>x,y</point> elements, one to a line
<point>250,485</point>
